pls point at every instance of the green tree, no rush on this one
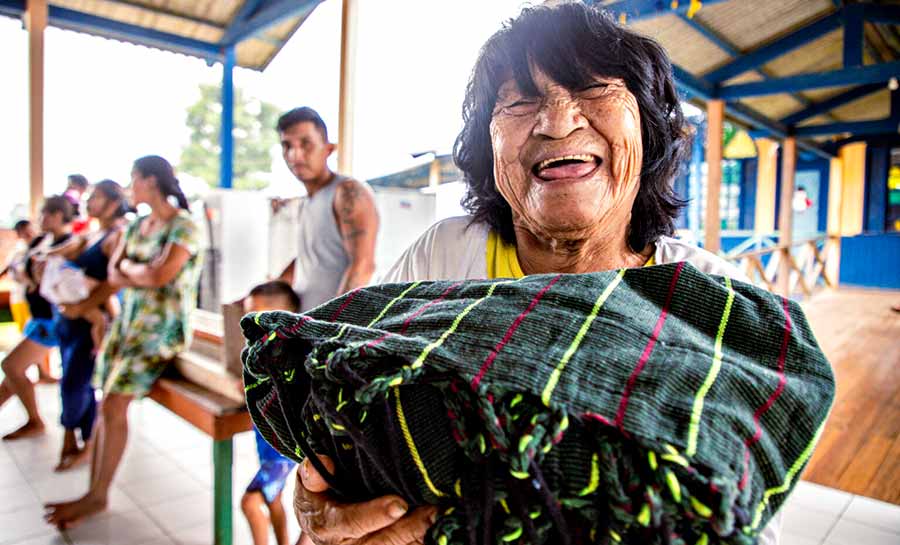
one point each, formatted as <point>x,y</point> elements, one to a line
<point>254,138</point>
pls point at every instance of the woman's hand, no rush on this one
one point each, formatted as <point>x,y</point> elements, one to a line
<point>71,311</point>
<point>382,521</point>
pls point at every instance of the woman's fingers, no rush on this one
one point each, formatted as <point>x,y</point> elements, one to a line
<point>310,477</point>
<point>409,530</point>
<point>382,521</point>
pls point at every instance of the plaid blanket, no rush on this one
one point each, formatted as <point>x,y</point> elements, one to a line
<point>654,405</point>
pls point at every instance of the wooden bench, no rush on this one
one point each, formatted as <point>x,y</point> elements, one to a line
<point>218,417</point>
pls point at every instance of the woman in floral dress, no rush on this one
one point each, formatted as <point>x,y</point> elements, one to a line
<point>157,263</point>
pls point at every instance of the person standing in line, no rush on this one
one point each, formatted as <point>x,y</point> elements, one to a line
<point>157,262</point>
<point>81,325</point>
<point>338,219</point>
<point>40,331</point>
<point>18,305</point>
<point>77,185</point>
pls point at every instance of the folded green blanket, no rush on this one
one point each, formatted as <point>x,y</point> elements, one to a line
<point>654,405</point>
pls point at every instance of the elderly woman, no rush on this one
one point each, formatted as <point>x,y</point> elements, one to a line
<point>573,133</point>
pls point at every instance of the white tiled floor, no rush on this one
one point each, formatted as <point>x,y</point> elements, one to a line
<point>163,492</point>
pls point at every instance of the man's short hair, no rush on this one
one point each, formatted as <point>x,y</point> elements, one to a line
<point>278,288</point>
<point>78,181</point>
<point>301,115</point>
<point>21,225</point>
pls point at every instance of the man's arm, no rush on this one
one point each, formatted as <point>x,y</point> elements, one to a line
<point>357,218</point>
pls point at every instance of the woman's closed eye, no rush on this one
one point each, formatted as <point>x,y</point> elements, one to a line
<point>522,106</point>
<point>594,89</point>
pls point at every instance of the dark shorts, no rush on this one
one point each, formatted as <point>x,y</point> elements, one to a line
<point>270,479</point>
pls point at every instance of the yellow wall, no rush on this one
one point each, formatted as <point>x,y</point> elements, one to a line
<point>766,174</point>
<point>853,181</point>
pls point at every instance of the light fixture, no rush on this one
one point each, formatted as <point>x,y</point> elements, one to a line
<point>892,84</point>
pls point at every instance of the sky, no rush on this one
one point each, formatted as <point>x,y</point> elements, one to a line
<point>108,103</point>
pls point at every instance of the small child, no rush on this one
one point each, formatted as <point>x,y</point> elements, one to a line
<point>269,481</point>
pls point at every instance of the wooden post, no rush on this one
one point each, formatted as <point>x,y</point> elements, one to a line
<point>766,177</point>
<point>348,65</point>
<point>36,22</point>
<point>833,243</point>
<point>715,112</point>
<point>786,213</point>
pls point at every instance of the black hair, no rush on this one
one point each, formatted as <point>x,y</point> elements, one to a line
<point>59,203</point>
<point>21,225</point>
<point>301,115</point>
<point>573,43</point>
<point>114,192</point>
<point>78,181</point>
<point>278,288</point>
<point>159,168</point>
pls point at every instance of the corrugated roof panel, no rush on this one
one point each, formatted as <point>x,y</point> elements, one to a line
<point>773,106</point>
<point>825,53</point>
<point>749,24</point>
<point>687,48</point>
<point>203,20</point>
<point>875,106</point>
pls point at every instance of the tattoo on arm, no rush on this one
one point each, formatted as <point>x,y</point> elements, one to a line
<point>349,198</point>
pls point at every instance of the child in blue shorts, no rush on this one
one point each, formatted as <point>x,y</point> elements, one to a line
<point>264,491</point>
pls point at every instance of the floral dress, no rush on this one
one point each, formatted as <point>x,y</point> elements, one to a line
<point>154,325</point>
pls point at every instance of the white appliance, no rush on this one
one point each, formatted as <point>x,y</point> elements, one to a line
<point>237,245</point>
<point>406,213</point>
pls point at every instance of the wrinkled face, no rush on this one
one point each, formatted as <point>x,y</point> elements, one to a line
<point>567,162</point>
<point>305,150</point>
<point>97,205</point>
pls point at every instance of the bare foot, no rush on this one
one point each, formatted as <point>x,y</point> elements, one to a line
<point>70,459</point>
<point>67,515</point>
<point>30,429</point>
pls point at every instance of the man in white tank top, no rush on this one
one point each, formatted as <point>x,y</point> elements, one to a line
<point>338,219</point>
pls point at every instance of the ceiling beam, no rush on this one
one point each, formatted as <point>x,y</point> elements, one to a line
<point>853,35</point>
<point>880,126</point>
<point>637,10</point>
<point>766,53</point>
<point>875,73</point>
<point>831,103</point>
<point>875,13</point>
<point>266,15</point>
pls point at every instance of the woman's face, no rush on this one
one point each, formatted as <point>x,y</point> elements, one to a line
<point>142,187</point>
<point>51,221</point>
<point>98,205</point>
<point>568,163</point>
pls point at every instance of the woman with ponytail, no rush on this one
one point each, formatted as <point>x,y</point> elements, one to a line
<point>81,325</point>
<point>157,263</point>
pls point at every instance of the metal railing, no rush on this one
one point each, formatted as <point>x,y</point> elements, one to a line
<point>798,269</point>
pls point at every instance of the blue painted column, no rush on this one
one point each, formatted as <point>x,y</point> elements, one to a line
<point>226,136</point>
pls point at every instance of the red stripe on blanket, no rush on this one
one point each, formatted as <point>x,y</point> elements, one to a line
<point>782,356</point>
<point>509,332</point>
<point>645,356</point>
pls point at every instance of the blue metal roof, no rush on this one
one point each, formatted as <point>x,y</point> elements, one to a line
<point>251,19</point>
